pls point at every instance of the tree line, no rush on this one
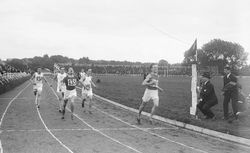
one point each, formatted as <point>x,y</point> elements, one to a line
<point>217,52</point>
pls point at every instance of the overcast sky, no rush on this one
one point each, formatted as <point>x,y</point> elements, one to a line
<point>133,30</point>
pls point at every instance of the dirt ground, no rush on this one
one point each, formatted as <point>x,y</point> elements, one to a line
<point>109,129</point>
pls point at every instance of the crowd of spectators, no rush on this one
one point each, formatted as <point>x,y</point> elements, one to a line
<point>10,77</point>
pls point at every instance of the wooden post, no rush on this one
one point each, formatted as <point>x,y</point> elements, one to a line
<point>193,108</point>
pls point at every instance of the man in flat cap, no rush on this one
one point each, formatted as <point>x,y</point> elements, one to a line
<point>207,97</point>
<point>230,92</point>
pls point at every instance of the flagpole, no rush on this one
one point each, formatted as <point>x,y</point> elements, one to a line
<point>196,54</point>
<point>193,108</point>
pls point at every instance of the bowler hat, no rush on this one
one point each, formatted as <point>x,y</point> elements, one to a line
<point>206,75</point>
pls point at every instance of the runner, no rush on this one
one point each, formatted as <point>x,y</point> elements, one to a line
<point>82,77</point>
<point>37,80</point>
<point>70,94</point>
<point>87,92</point>
<point>151,92</point>
<point>60,86</point>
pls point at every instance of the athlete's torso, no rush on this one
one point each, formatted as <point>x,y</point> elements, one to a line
<point>38,78</point>
<point>70,82</point>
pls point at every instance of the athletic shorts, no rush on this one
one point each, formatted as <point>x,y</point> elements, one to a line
<point>38,88</point>
<point>87,93</point>
<point>61,88</point>
<point>151,95</point>
<point>70,94</point>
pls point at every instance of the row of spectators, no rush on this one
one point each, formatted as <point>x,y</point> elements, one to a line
<point>10,80</point>
<point>11,77</point>
<point>4,68</point>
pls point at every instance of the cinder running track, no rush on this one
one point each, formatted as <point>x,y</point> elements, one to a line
<point>109,129</point>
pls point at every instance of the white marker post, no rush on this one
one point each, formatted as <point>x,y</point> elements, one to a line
<point>194,90</point>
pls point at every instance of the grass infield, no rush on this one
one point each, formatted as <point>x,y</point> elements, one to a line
<point>175,101</point>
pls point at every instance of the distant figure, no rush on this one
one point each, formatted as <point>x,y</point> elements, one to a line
<point>207,97</point>
<point>230,92</point>
<point>82,73</point>
<point>98,81</point>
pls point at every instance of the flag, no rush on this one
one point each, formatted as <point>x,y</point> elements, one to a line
<point>192,52</point>
<point>56,66</point>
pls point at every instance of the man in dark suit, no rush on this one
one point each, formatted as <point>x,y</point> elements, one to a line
<point>207,96</point>
<point>230,92</point>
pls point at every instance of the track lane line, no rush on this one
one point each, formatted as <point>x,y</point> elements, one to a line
<point>147,131</point>
<point>82,129</point>
<point>98,131</point>
<point>1,147</point>
<point>5,111</point>
<point>48,130</point>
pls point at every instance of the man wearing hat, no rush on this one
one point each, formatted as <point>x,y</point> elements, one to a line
<point>207,96</point>
<point>230,92</point>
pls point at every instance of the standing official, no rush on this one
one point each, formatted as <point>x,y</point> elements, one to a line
<point>230,92</point>
<point>207,96</point>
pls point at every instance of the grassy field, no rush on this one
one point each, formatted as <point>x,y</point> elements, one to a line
<point>175,102</point>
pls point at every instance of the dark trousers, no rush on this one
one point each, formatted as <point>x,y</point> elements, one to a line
<point>233,96</point>
<point>205,108</point>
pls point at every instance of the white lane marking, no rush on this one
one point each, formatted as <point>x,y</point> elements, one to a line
<point>83,129</point>
<point>98,131</point>
<point>163,120</point>
<point>152,133</point>
<point>50,131</point>
<point>24,98</point>
<point>4,113</point>
<point>1,147</point>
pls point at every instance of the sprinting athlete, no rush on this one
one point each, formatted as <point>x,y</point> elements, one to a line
<point>151,92</point>
<point>70,94</point>
<point>87,92</point>
<point>61,88</point>
<point>82,77</point>
<point>37,80</point>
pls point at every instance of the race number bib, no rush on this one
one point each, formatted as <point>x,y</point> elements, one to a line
<point>71,82</point>
<point>87,87</point>
<point>38,78</point>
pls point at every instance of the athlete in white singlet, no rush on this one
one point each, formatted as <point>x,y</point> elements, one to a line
<point>61,88</point>
<point>87,92</point>
<point>37,79</point>
<point>82,77</point>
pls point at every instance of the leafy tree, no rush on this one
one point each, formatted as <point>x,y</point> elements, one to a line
<point>223,53</point>
<point>219,53</point>
<point>163,62</point>
<point>16,63</point>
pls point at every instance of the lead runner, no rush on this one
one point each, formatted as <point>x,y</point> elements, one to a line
<point>70,94</point>
<point>151,92</point>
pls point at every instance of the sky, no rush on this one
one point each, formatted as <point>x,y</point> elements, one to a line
<point>132,30</point>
